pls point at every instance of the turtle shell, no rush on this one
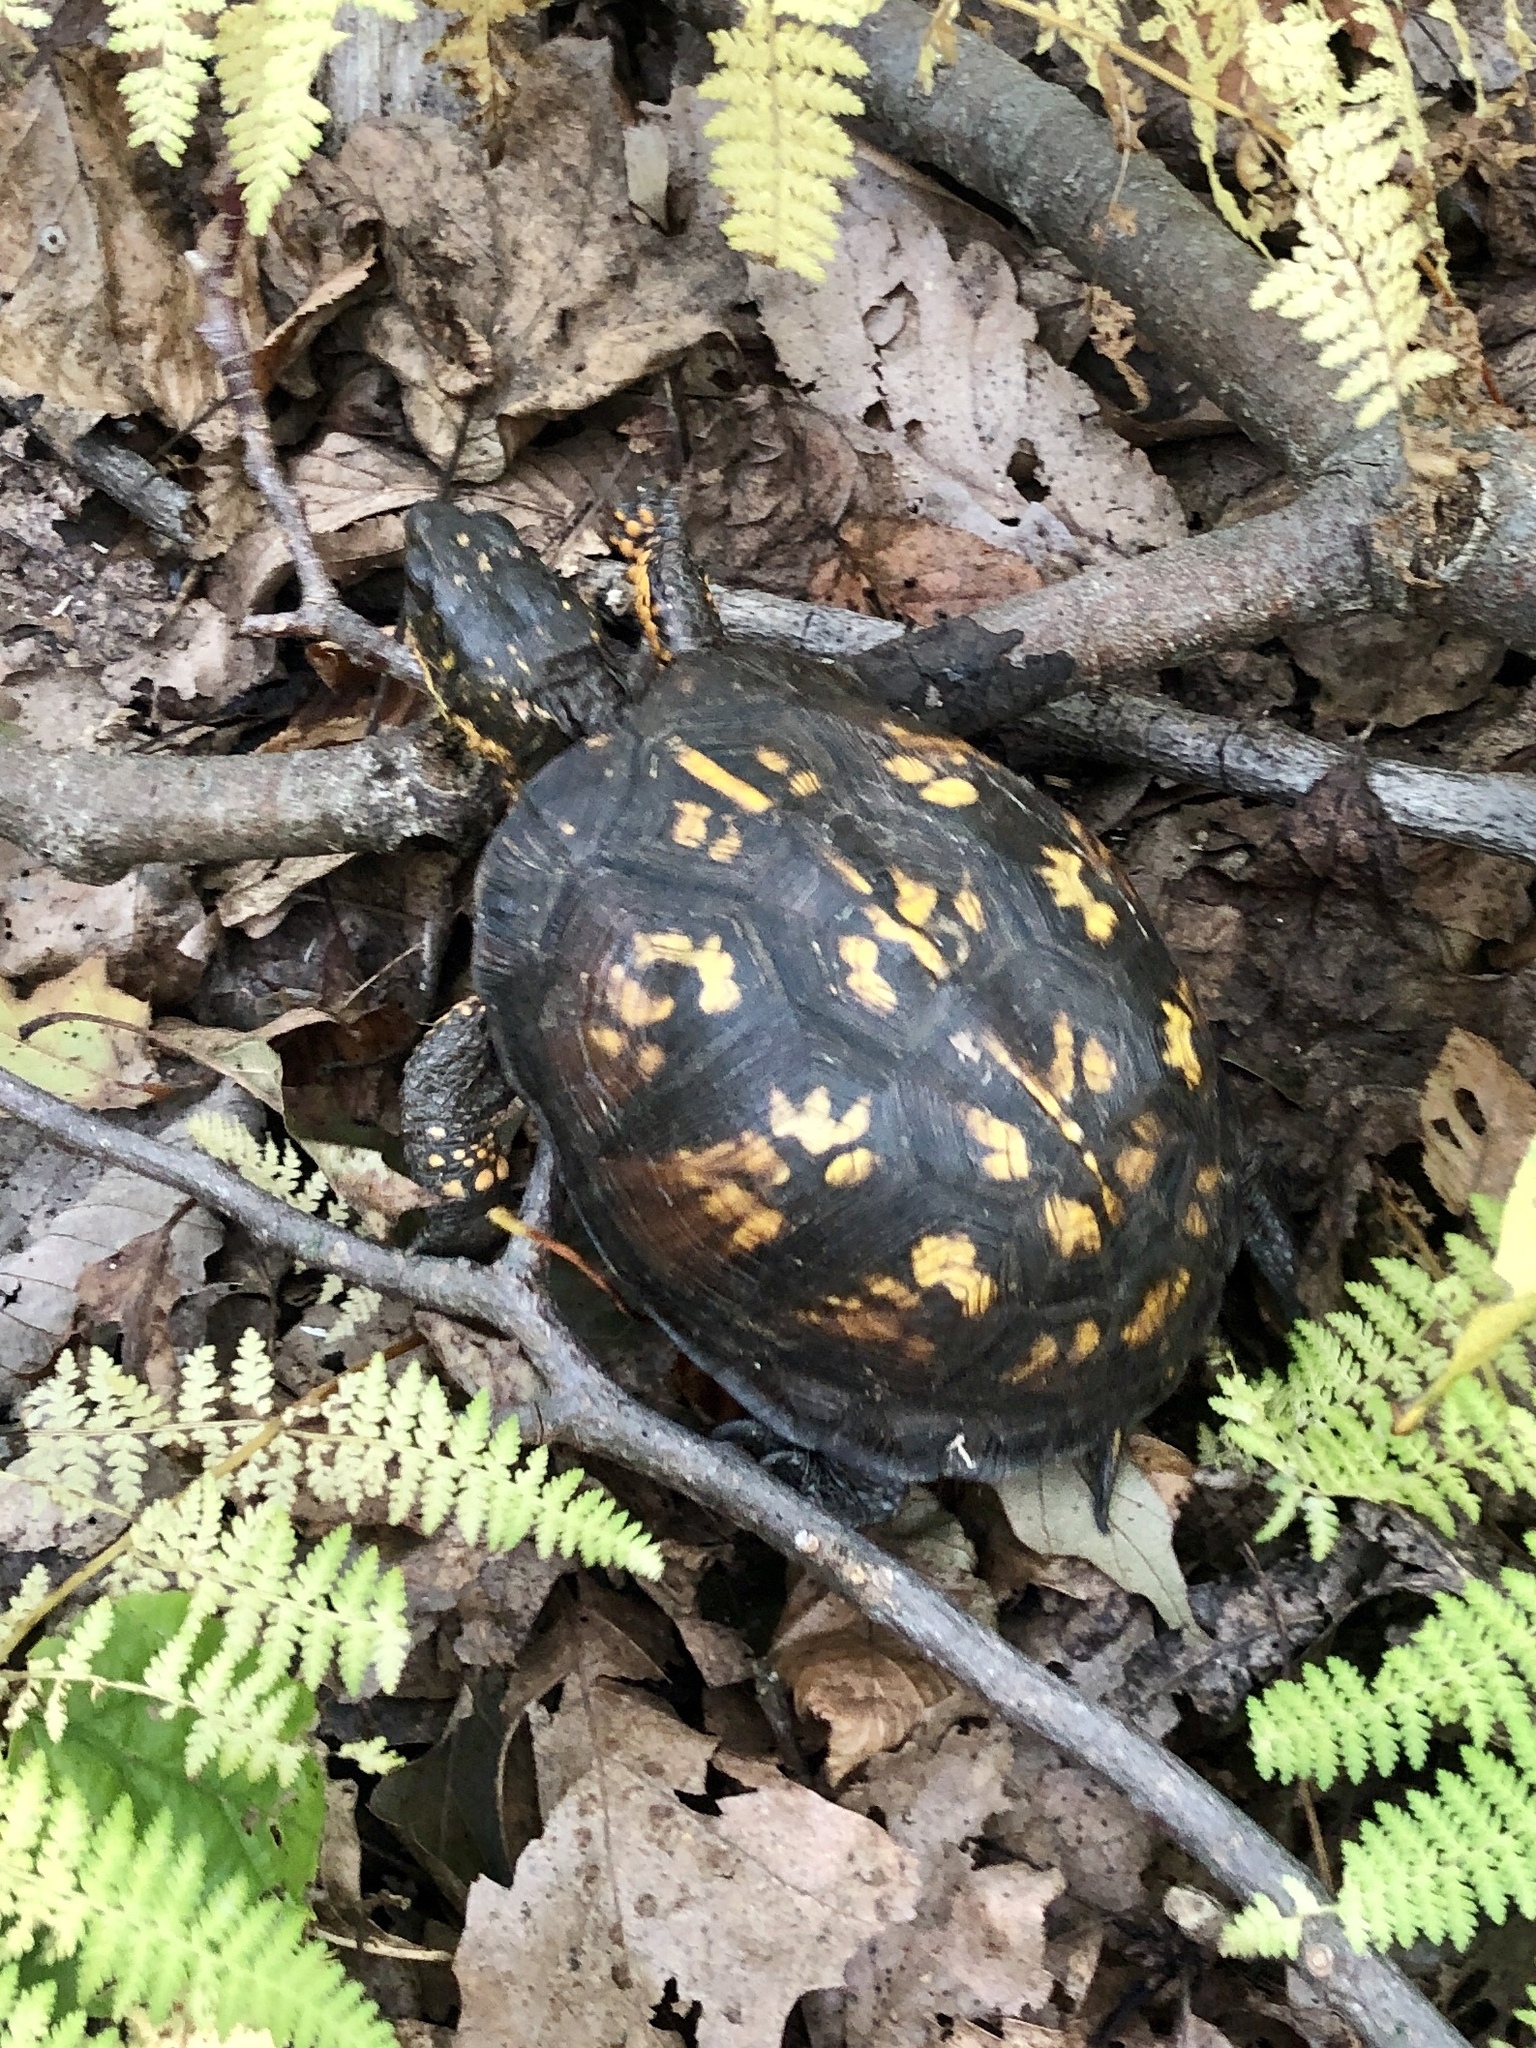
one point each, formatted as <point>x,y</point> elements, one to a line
<point>868,1076</point>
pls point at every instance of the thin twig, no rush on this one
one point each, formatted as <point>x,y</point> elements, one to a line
<point>584,1409</point>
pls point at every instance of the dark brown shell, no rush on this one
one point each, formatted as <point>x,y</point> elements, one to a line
<point>867,1074</point>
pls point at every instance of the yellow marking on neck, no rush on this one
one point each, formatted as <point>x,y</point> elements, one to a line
<point>1179,1045</point>
<point>952,793</point>
<point>950,1262</point>
<point>915,901</point>
<point>1005,1152</point>
<point>721,780</point>
<point>849,1168</point>
<point>812,1124</point>
<point>1160,1301</point>
<point>917,943</point>
<point>865,981</point>
<point>691,825</point>
<point>1071,1226</point>
<point>1062,873</point>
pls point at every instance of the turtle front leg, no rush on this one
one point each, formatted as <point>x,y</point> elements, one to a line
<point>457,1113</point>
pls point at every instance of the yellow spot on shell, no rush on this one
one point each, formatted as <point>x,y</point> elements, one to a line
<point>633,1002</point>
<point>804,782</point>
<point>1085,1340</point>
<point>915,901</point>
<point>849,1168</point>
<point>1133,1167</point>
<point>918,944</point>
<point>607,1040</point>
<point>691,825</point>
<point>1041,1356</point>
<point>715,967</point>
<point>1196,1222</point>
<point>727,845</point>
<point>812,1123</point>
<point>1062,874</point>
<point>1209,1179</point>
<point>968,909</point>
<point>1098,1067</point>
<point>1006,1155</point>
<point>719,1173</point>
<point>1148,1127</point>
<point>1158,1304</point>
<point>865,981</point>
<point>721,780</point>
<point>1179,1045</point>
<point>650,1059</point>
<point>1061,1074</point>
<point>907,768</point>
<point>951,793</point>
<point>1071,1226</point>
<point>921,742</point>
<point>950,1263</point>
<point>775,762</point>
<point>885,1288</point>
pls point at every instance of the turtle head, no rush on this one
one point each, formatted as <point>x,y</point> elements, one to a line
<point>513,658</point>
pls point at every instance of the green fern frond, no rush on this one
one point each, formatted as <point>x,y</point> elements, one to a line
<point>74,1892</point>
<point>1352,282</point>
<point>779,152</point>
<point>1324,1431</point>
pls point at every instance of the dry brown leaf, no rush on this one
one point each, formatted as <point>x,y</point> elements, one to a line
<point>38,1281</point>
<point>941,353</point>
<point>915,570</point>
<point>1477,1116</point>
<point>254,895</point>
<point>374,1191</point>
<point>865,1683</point>
<point>138,925</point>
<point>527,289</point>
<point>629,1891</point>
<point>196,657</point>
<point>246,1057</point>
<point>1385,671</point>
<point>136,1288</point>
<point>722,1654</point>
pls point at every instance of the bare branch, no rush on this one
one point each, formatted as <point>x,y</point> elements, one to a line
<point>586,1410</point>
<point>95,816</point>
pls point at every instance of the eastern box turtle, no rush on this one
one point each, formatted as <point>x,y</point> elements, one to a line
<point>865,1070</point>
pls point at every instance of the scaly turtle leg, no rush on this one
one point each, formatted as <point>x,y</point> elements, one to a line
<point>457,1110</point>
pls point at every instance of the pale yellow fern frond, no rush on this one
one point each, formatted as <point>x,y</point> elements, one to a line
<point>469,47</point>
<point>1207,39</point>
<point>161,94</point>
<point>1352,283</point>
<point>20,15</point>
<point>267,54</point>
<point>779,151</point>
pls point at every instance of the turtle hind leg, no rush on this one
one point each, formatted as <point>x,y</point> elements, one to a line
<point>858,1498</point>
<point>457,1112</point>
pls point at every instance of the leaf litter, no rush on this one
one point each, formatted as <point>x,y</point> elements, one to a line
<point>737,1806</point>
